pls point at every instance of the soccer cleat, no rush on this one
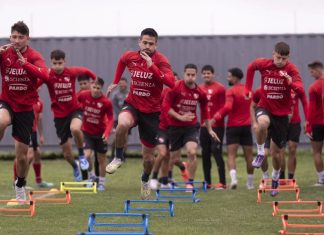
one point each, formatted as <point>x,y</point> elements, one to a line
<point>249,186</point>
<point>185,173</point>
<point>45,184</point>
<point>101,187</point>
<point>257,162</point>
<point>77,174</point>
<point>20,194</point>
<point>113,165</point>
<point>84,164</point>
<point>220,186</point>
<point>233,185</point>
<point>154,184</point>
<point>145,190</point>
<point>274,185</point>
<point>318,184</point>
<point>167,186</point>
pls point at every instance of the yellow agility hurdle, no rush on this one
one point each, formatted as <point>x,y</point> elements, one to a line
<point>79,187</point>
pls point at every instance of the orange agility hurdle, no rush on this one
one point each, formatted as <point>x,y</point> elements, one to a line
<point>45,196</point>
<point>283,183</point>
<point>21,208</point>
<point>260,191</point>
<point>317,210</point>
<point>287,225</point>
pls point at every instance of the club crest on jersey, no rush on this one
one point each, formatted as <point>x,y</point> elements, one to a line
<point>8,62</point>
<point>99,105</point>
<point>196,96</point>
<point>67,79</point>
<point>210,91</point>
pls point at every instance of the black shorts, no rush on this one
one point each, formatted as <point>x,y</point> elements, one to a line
<point>162,137</point>
<point>22,123</point>
<point>294,130</point>
<point>96,143</point>
<point>62,125</point>
<point>318,132</point>
<point>33,140</point>
<point>179,136</point>
<point>278,126</point>
<point>239,135</point>
<point>148,124</point>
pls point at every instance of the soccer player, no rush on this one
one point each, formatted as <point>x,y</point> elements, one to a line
<point>294,130</point>
<point>215,93</point>
<point>84,85</point>
<point>20,66</point>
<point>118,97</point>
<point>278,78</point>
<point>66,109</point>
<point>315,120</point>
<point>181,105</point>
<point>97,108</point>
<point>34,153</point>
<point>238,128</point>
<point>150,70</point>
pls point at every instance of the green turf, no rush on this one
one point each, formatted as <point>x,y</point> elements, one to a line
<point>219,212</point>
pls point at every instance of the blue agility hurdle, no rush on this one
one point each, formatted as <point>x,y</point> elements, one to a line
<point>129,206</point>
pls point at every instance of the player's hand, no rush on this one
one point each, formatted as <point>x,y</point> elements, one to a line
<point>214,136</point>
<point>5,47</point>
<point>41,139</point>
<point>147,58</point>
<point>285,75</point>
<point>104,138</point>
<point>308,130</point>
<point>187,117</point>
<point>110,89</point>
<point>21,59</point>
<point>248,95</point>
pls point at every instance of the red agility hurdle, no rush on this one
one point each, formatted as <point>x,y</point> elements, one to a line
<point>287,225</point>
<point>21,208</point>
<point>283,183</point>
<point>260,191</point>
<point>277,210</point>
<point>45,196</point>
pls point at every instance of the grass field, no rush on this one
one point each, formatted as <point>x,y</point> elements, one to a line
<point>219,212</point>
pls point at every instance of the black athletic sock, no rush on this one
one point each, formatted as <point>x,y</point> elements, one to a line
<point>291,175</point>
<point>170,174</point>
<point>282,175</point>
<point>81,152</point>
<point>20,182</point>
<point>164,180</point>
<point>145,177</point>
<point>155,175</point>
<point>191,181</point>
<point>182,168</point>
<point>120,153</point>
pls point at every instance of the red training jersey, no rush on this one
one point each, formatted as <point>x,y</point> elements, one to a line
<point>215,93</point>
<point>237,106</point>
<point>146,83</point>
<point>61,88</point>
<point>316,102</point>
<point>38,109</point>
<point>98,114</point>
<point>19,83</point>
<point>275,91</point>
<point>183,100</point>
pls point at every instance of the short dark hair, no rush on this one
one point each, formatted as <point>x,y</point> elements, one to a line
<point>20,27</point>
<point>190,66</point>
<point>123,79</point>
<point>83,77</point>
<point>316,65</point>
<point>208,68</point>
<point>150,32</point>
<point>58,54</point>
<point>100,81</point>
<point>282,48</point>
<point>236,72</point>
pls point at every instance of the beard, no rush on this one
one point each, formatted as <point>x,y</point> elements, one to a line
<point>230,83</point>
